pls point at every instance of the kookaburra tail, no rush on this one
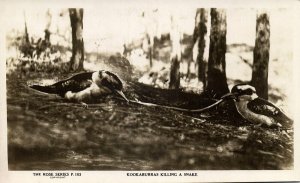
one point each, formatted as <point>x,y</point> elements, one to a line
<point>46,89</point>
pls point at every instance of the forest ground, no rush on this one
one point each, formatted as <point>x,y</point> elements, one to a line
<point>46,132</point>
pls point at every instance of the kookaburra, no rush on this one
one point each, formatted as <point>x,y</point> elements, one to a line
<point>85,87</point>
<point>257,110</point>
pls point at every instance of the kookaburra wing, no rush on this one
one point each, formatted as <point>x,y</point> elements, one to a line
<point>258,110</point>
<point>85,87</point>
<point>263,107</point>
<point>266,108</point>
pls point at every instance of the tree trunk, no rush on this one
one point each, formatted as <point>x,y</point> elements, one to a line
<point>150,48</point>
<point>200,34</point>
<point>261,55</point>
<point>188,70</point>
<point>26,30</point>
<point>175,56</point>
<point>47,28</point>
<point>174,73</point>
<point>76,17</point>
<point>216,75</point>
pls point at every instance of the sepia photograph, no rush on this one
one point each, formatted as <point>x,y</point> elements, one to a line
<point>149,88</point>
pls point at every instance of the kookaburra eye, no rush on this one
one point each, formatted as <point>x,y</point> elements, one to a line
<point>248,92</point>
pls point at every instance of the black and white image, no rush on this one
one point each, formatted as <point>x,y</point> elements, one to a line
<point>143,88</point>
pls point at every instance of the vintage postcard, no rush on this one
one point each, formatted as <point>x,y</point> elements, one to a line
<point>162,91</point>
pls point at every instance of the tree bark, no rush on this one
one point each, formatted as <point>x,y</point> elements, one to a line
<point>26,35</point>
<point>200,34</point>
<point>261,55</point>
<point>175,56</point>
<point>216,75</point>
<point>174,73</point>
<point>47,28</point>
<point>150,48</point>
<point>76,17</point>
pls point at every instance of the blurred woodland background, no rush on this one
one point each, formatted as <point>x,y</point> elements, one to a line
<point>164,56</point>
<point>144,38</point>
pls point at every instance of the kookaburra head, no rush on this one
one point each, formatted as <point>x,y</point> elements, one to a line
<point>243,92</point>
<point>109,81</point>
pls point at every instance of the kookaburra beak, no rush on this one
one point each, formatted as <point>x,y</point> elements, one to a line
<point>122,95</point>
<point>229,96</point>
